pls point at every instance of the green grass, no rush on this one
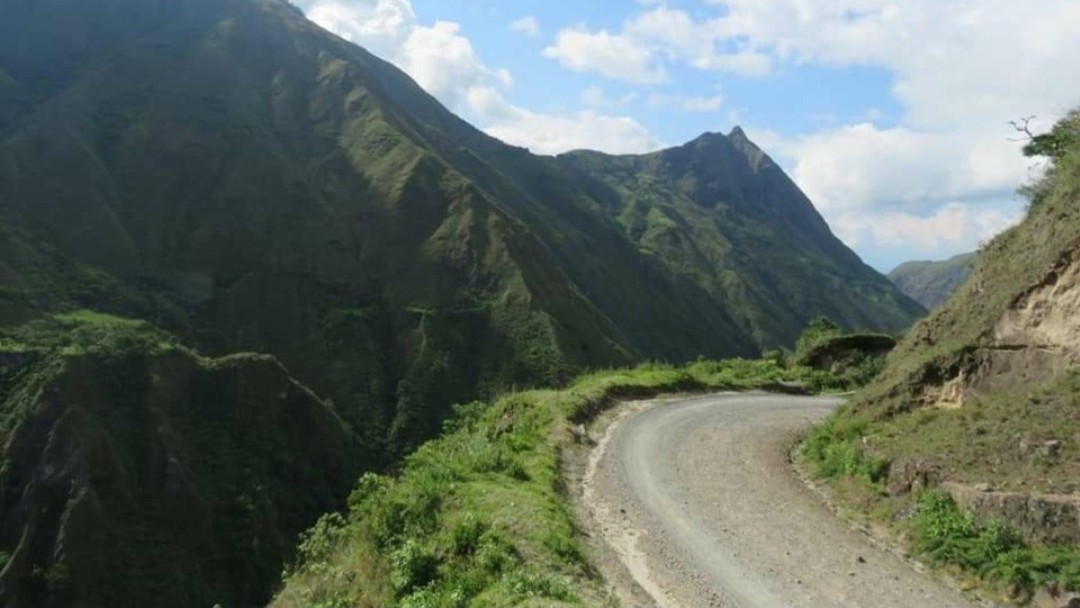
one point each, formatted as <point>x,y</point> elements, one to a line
<point>980,442</point>
<point>11,345</point>
<point>87,331</point>
<point>92,317</point>
<point>479,517</point>
<point>949,537</point>
<point>834,450</point>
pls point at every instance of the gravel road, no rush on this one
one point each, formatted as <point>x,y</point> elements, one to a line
<point>699,503</point>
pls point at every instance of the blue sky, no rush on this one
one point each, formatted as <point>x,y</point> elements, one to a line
<point>892,116</point>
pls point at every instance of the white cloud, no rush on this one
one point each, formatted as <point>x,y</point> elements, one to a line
<point>610,55</point>
<point>955,62</point>
<point>438,57</point>
<point>929,193</point>
<point>529,26</point>
<point>443,61</point>
<point>652,39</point>
<point>555,133</point>
<point>861,166</point>
<point>944,178</point>
<point>954,227</point>
<point>674,34</point>
<point>595,97</point>
<point>687,103</point>
<point>379,25</point>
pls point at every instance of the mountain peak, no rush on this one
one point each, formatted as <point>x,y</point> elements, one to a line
<point>737,136</point>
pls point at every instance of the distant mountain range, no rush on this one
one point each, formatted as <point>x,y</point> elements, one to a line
<point>931,283</point>
<point>243,180</point>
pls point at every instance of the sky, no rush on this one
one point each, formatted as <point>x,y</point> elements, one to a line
<point>893,117</point>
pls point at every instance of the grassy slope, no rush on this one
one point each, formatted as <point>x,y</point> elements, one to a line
<point>931,283</point>
<point>890,421</point>
<point>479,516</point>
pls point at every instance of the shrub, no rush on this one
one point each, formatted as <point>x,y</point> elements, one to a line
<point>834,449</point>
<point>414,566</point>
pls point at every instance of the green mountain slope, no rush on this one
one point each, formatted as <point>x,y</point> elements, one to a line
<point>931,283</point>
<point>721,213</point>
<point>1008,338</point>
<point>234,175</point>
<point>137,473</point>
<point>234,157</point>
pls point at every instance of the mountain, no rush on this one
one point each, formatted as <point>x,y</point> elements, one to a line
<point>232,174</point>
<point>931,283</point>
<point>721,213</point>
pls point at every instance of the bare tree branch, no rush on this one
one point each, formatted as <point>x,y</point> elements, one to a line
<point>1023,126</point>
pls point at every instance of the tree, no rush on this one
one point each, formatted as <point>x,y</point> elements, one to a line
<point>1063,137</point>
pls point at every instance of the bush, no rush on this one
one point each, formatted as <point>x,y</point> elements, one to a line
<point>834,449</point>
<point>414,567</point>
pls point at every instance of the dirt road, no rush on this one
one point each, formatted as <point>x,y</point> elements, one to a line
<point>699,502</point>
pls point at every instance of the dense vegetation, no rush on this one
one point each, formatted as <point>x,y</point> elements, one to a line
<point>983,394</point>
<point>931,283</point>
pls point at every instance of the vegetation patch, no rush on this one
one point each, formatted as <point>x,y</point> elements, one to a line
<point>948,536</point>
<point>87,332</point>
<point>479,516</point>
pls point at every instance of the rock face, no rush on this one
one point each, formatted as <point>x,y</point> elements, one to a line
<point>1045,315</point>
<point>1035,339</point>
<point>1039,518</point>
<point>931,283</point>
<point>159,479</point>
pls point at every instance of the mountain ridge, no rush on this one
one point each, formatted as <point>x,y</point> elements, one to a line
<point>932,282</point>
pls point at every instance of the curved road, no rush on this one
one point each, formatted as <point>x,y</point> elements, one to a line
<point>699,502</point>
